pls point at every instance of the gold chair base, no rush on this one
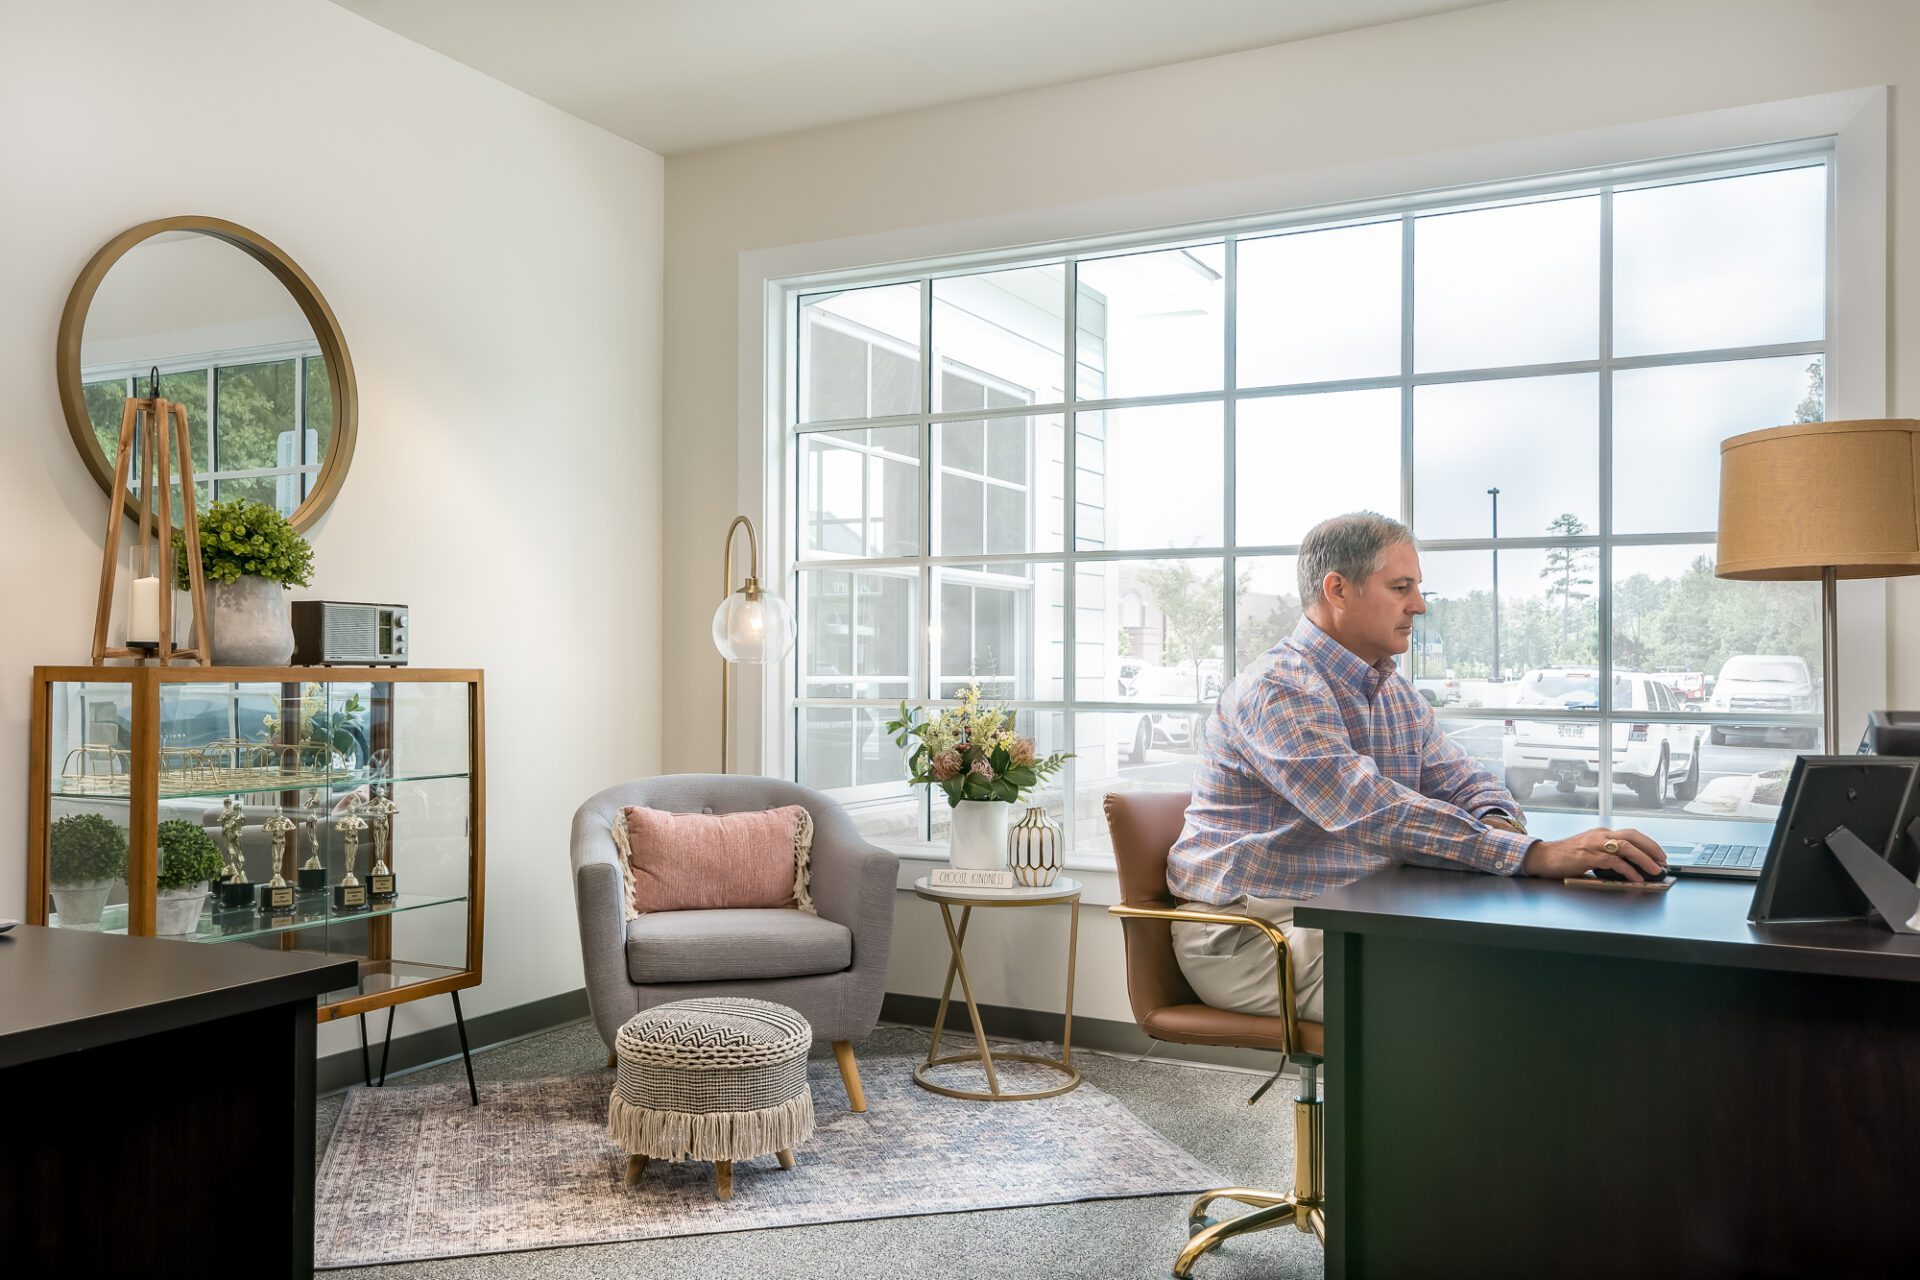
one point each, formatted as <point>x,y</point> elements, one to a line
<point>1270,1210</point>
<point>1071,1072</point>
<point>1304,1208</point>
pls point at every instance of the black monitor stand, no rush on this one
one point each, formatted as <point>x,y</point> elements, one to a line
<point>1895,897</point>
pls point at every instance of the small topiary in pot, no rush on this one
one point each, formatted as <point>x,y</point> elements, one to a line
<point>86,857</point>
<point>188,861</point>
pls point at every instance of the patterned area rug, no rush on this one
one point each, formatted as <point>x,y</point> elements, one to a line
<point>417,1173</point>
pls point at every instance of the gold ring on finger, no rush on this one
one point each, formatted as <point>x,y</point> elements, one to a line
<point>1611,846</point>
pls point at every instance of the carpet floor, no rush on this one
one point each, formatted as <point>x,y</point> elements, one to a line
<point>1202,1111</point>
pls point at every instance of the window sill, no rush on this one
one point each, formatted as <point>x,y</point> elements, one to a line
<point>1100,885</point>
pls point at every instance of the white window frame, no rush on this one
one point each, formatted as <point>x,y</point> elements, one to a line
<point>1853,123</point>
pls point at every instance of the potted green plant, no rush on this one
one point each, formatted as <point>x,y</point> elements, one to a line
<point>972,754</point>
<point>249,554</point>
<point>188,861</point>
<point>86,857</point>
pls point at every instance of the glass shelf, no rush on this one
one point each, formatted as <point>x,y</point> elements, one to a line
<point>115,788</point>
<point>379,976</point>
<point>310,911</point>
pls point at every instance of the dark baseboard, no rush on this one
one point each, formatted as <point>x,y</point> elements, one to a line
<point>1088,1033</point>
<point>437,1044</point>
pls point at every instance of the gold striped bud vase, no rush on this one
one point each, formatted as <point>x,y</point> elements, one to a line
<point>1035,849</point>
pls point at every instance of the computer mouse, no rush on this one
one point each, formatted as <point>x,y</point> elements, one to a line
<point>1608,873</point>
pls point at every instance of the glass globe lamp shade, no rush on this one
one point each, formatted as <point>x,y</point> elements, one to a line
<point>753,626</point>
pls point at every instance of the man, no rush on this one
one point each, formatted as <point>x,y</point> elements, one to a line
<point>1322,764</point>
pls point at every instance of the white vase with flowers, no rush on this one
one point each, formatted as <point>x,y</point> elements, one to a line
<point>979,761</point>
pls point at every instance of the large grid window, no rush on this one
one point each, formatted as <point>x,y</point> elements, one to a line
<point>1082,482</point>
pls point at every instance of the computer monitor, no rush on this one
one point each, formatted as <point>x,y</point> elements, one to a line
<point>1834,808</point>
<point>1891,733</point>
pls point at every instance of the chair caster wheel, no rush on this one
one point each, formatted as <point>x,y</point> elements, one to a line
<point>1196,1225</point>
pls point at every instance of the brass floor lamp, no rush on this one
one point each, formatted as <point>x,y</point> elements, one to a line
<point>1825,500</point>
<point>752,623</point>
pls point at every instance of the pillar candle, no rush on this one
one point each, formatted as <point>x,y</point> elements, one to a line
<point>143,617</point>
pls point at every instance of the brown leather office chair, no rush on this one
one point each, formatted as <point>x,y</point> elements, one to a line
<point>1144,825</point>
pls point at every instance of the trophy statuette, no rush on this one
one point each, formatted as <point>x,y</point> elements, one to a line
<point>276,895</point>
<point>231,890</point>
<point>350,894</point>
<point>313,872</point>
<point>380,880</point>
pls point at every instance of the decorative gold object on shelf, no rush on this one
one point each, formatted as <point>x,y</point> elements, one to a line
<point>226,764</point>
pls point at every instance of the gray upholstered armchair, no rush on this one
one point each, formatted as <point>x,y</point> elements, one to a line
<point>831,967</point>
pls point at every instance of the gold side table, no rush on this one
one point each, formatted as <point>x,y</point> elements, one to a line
<point>1064,890</point>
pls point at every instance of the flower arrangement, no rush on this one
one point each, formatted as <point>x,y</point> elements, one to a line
<point>971,752</point>
<point>246,537</point>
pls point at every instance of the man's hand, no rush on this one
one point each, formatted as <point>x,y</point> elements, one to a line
<point>1637,857</point>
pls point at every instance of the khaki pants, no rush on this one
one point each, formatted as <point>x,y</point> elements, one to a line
<point>1232,967</point>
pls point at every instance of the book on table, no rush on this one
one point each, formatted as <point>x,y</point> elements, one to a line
<point>957,878</point>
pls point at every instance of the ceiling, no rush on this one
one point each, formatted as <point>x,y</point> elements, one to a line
<point>680,75</point>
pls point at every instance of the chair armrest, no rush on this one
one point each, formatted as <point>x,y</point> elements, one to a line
<point>1283,955</point>
<point>599,894</point>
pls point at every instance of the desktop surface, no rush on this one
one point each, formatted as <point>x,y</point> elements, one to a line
<point>1698,921</point>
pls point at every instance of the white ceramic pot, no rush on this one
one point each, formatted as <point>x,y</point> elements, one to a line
<point>177,911</point>
<point>249,622</point>
<point>978,839</point>
<point>81,902</point>
<point>1035,849</point>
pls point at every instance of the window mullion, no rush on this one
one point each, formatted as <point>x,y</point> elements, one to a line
<point>1603,587</point>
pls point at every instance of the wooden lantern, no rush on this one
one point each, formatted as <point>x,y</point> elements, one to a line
<point>160,429</point>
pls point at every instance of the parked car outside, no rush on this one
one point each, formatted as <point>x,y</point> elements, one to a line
<point>1172,730</point>
<point>1439,691</point>
<point>1653,759</point>
<point>1773,682</point>
<point>1691,685</point>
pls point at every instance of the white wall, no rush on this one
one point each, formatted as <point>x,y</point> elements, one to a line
<point>496,267</point>
<point>1130,152</point>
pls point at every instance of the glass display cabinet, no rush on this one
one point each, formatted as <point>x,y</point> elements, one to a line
<point>334,810</point>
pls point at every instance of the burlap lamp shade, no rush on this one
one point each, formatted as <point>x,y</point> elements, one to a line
<point>1821,500</point>
<point>1842,495</point>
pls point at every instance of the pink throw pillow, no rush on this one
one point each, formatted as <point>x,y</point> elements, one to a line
<point>709,861</point>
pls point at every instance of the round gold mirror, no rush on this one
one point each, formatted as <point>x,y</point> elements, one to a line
<point>240,336</point>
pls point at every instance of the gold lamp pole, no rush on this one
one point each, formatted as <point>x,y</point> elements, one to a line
<point>1825,501</point>
<point>752,623</point>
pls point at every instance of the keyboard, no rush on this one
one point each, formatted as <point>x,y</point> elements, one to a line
<point>1727,855</point>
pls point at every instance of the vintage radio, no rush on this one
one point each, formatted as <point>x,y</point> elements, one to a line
<point>335,633</point>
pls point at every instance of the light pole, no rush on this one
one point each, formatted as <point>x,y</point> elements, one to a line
<point>1495,495</point>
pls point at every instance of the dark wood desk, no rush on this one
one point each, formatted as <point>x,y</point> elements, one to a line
<point>159,1105</point>
<point>1527,1079</point>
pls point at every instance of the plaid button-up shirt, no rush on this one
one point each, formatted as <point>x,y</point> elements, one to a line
<point>1318,769</point>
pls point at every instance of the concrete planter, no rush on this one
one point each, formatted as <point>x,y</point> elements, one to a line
<point>177,911</point>
<point>81,902</point>
<point>248,619</point>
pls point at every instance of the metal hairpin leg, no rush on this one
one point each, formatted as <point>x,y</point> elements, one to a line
<point>366,1063</point>
<point>385,1045</point>
<point>473,1091</point>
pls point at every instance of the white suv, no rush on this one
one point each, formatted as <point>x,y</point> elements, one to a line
<point>1769,682</point>
<point>1650,757</point>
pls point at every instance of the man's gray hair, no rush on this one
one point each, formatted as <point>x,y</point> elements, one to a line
<point>1354,546</point>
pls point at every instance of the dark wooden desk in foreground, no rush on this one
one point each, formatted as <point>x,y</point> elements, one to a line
<point>1528,1079</point>
<point>159,1105</point>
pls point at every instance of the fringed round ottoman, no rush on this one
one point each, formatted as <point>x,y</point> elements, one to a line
<point>722,1080</point>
